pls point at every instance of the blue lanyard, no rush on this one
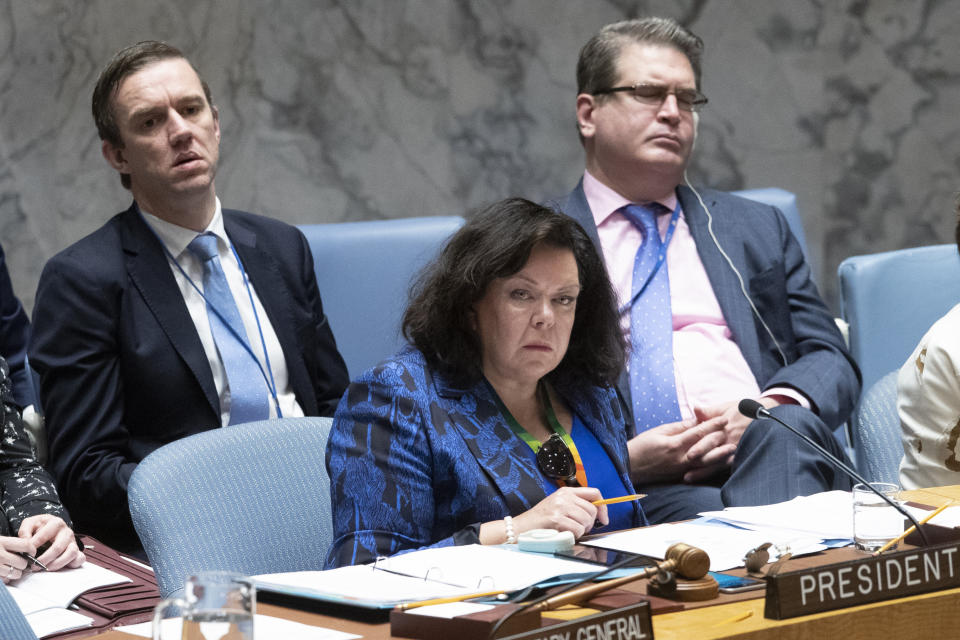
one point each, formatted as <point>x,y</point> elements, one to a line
<point>661,258</point>
<point>268,374</point>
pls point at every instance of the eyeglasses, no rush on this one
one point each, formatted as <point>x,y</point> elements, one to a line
<point>655,94</point>
<point>556,462</point>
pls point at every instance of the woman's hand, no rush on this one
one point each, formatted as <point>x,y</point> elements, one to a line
<point>63,550</point>
<point>12,566</point>
<point>566,509</point>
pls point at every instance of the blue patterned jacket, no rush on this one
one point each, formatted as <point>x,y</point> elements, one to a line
<point>417,461</point>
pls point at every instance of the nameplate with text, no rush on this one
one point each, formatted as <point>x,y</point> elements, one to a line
<point>627,623</point>
<point>861,581</point>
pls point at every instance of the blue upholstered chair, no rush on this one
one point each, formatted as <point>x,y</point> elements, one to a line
<point>876,432</point>
<point>787,203</point>
<point>364,270</point>
<point>13,626</point>
<point>889,300</point>
<point>252,498</point>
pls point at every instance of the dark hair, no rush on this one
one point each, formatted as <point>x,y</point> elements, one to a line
<point>125,63</point>
<point>496,243</point>
<point>597,65</point>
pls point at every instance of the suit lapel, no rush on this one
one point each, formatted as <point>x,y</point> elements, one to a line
<point>576,206</point>
<point>474,414</point>
<point>264,273</point>
<point>726,287</point>
<point>598,420</point>
<point>150,273</point>
<point>600,414</point>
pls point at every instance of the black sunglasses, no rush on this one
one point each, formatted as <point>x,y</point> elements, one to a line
<point>556,462</point>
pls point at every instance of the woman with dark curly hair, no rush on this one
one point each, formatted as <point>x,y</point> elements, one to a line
<point>32,517</point>
<point>501,416</point>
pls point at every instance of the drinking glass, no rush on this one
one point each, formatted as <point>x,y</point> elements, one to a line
<point>216,605</point>
<point>875,522</point>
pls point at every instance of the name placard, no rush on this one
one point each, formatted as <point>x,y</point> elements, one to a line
<point>861,581</point>
<point>627,623</point>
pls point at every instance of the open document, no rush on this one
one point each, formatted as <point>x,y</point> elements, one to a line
<point>44,597</point>
<point>803,525</point>
<point>422,575</point>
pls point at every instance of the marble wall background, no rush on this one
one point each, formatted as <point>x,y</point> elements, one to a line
<point>338,110</point>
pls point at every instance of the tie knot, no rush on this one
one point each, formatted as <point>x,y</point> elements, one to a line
<point>644,216</point>
<point>204,246</point>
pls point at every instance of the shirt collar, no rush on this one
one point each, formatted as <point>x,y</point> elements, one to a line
<point>176,238</point>
<point>604,201</point>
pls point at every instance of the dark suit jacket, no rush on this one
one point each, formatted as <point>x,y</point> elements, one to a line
<point>416,460</point>
<point>14,335</point>
<point>122,368</point>
<point>765,252</point>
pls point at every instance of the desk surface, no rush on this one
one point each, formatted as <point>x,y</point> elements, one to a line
<point>930,615</point>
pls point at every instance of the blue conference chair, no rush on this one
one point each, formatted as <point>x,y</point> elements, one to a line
<point>787,203</point>
<point>252,498</point>
<point>364,270</point>
<point>876,432</point>
<point>889,300</point>
<point>13,626</point>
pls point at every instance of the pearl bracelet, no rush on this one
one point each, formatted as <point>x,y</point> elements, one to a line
<point>508,526</point>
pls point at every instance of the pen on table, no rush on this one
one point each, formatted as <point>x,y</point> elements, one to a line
<point>911,529</point>
<point>29,558</point>
<point>631,497</point>
<point>466,596</point>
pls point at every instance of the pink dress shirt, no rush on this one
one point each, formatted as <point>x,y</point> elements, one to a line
<point>710,369</point>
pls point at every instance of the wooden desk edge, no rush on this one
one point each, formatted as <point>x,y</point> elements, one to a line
<point>924,615</point>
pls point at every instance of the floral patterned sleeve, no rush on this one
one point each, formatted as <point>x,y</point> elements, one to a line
<point>26,488</point>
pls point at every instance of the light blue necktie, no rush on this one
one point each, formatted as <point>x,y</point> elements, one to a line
<point>248,393</point>
<point>653,388</point>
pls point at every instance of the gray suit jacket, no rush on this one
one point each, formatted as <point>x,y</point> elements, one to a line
<point>775,274</point>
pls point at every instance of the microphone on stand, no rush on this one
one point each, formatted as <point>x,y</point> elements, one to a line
<point>753,409</point>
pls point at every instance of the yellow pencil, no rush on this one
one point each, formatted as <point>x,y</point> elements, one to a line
<point>466,596</point>
<point>635,496</point>
<point>738,618</point>
<point>911,529</point>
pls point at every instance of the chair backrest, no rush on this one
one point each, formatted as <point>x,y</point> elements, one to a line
<point>787,203</point>
<point>13,625</point>
<point>364,270</point>
<point>252,498</point>
<point>876,433</point>
<point>891,299</point>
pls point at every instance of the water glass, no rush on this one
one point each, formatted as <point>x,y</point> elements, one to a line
<point>216,605</point>
<point>875,522</point>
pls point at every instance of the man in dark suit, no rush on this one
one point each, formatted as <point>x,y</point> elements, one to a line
<point>716,298</point>
<point>176,316</point>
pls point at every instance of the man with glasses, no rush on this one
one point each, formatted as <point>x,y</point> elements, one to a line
<point>716,299</point>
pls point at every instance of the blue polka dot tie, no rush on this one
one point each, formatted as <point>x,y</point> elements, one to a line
<point>653,388</point>
<point>248,392</point>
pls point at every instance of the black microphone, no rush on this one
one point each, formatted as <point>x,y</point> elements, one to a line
<point>753,409</point>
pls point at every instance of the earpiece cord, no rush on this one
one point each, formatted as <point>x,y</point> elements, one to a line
<point>743,287</point>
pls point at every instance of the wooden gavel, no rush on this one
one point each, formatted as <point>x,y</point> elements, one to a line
<point>683,559</point>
